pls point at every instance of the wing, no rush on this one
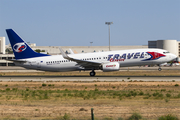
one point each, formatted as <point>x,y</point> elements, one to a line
<point>83,63</point>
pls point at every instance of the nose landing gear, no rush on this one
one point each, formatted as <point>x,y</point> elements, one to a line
<point>159,68</point>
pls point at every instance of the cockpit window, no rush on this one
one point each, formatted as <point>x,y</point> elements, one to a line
<point>166,52</point>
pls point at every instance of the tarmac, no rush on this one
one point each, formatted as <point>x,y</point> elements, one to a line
<point>21,69</point>
<point>88,78</point>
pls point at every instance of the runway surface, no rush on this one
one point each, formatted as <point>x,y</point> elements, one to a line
<point>90,79</point>
<point>21,69</point>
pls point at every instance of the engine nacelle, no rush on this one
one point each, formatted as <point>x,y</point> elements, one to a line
<point>112,66</point>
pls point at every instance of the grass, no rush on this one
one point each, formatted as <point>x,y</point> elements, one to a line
<point>107,91</point>
<point>168,117</point>
<point>124,97</point>
<point>135,116</point>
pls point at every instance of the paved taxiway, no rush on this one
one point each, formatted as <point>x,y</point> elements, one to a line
<point>89,79</point>
<point>21,69</point>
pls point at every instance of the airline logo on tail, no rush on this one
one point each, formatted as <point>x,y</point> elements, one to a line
<point>19,47</point>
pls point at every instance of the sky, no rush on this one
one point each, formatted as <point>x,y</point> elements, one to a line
<point>79,22</point>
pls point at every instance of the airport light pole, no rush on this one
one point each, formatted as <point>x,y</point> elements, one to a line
<point>109,23</point>
<point>91,43</point>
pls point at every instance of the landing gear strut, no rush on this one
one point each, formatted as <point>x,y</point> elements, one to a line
<point>92,73</point>
<point>159,68</point>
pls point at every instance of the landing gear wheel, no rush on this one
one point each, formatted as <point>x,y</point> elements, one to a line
<point>159,69</point>
<point>92,73</point>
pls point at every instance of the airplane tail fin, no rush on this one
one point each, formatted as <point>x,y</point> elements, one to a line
<point>20,48</point>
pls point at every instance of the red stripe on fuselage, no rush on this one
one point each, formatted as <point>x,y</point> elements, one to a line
<point>155,55</point>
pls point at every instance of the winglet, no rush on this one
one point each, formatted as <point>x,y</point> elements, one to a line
<point>71,51</point>
<point>63,53</point>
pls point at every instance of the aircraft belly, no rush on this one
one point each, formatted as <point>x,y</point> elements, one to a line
<point>59,67</point>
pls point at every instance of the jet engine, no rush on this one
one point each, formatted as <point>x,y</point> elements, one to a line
<point>112,66</point>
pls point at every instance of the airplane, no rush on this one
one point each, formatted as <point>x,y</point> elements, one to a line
<point>105,61</point>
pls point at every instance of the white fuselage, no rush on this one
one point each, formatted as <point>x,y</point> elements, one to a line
<point>125,58</point>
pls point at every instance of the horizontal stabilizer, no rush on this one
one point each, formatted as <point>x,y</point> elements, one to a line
<point>14,60</point>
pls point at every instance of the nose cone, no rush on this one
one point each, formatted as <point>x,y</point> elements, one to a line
<point>173,56</point>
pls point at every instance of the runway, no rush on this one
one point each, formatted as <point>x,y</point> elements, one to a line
<point>89,79</point>
<point>21,69</point>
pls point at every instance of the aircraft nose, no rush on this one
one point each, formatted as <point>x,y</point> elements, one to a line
<point>173,56</point>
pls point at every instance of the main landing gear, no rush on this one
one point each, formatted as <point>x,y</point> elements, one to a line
<point>159,69</point>
<point>92,73</point>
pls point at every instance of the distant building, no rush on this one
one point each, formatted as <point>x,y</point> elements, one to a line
<point>2,45</point>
